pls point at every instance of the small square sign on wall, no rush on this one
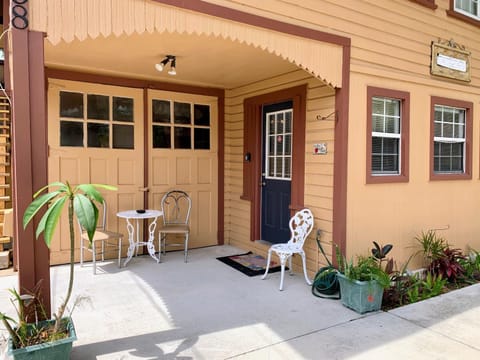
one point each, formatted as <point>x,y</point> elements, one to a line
<point>320,149</point>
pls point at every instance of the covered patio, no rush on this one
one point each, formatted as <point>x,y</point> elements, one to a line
<point>205,309</point>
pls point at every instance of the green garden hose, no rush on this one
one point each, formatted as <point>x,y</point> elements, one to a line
<point>325,284</point>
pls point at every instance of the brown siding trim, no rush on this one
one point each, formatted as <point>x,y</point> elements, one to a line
<point>132,83</point>
<point>252,145</point>
<point>340,162</point>
<point>256,20</point>
<point>404,98</point>
<point>451,12</point>
<point>221,171</point>
<point>468,106</point>
<point>427,3</point>
<point>29,160</point>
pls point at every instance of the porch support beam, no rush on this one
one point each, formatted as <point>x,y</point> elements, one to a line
<point>29,154</point>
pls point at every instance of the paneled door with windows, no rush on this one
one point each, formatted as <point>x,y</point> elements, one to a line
<point>277,138</point>
<point>183,154</point>
<point>95,135</point>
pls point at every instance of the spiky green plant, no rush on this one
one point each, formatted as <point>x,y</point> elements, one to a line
<point>81,203</point>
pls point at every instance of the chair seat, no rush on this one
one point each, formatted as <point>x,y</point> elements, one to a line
<point>102,235</point>
<point>174,228</point>
<point>285,248</point>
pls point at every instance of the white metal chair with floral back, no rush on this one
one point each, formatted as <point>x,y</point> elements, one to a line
<point>176,206</point>
<point>301,224</point>
<point>107,239</point>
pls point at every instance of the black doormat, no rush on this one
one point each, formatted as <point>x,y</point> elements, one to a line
<point>250,264</point>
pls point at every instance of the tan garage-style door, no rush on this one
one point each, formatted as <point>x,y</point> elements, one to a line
<point>183,154</point>
<point>97,135</point>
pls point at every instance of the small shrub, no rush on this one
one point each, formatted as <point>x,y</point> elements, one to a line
<point>366,269</point>
<point>471,267</point>
<point>432,245</point>
<point>448,265</point>
<point>433,285</point>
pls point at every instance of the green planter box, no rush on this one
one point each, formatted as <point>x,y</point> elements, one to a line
<point>55,350</point>
<point>361,296</point>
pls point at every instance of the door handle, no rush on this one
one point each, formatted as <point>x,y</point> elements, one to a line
<point>144,189</point>
<point>263,183</point>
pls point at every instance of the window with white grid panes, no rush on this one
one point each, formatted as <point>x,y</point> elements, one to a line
<point>449,140</point>
<point>278,145</point>
<point>468,7</point>
<point>386,136</point>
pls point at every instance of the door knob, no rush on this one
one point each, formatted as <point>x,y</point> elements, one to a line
<point>144,189</point>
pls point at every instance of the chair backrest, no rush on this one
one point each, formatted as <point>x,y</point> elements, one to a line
<point>176,206</point>
<point>301,225</point>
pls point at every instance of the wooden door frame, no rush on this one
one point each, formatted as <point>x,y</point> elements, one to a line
<point>252,168</point>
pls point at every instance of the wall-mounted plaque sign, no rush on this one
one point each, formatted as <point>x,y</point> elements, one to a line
<point>450,60</point>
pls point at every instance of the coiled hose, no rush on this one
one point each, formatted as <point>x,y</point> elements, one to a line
<point>325,284</point>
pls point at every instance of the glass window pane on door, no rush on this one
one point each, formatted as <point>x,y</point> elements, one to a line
<point>201,115</point>
<point>123,137</point>
<point>122,109</point>
<point>181,113</point>
<point>162,137</point>
<point>201,138</point>
<point>71,105</point>
<point>98,135</point>
<point>71,133</point>
<point>182,138</point>
<point>161,111</point>
<point>98,107</point>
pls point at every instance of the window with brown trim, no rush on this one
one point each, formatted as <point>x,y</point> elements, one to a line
<point>427,3</point>
<point>387,135</point>
<point>465,10</point>
<point>450,139</point>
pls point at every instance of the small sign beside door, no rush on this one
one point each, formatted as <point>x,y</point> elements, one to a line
<point>320,149</point>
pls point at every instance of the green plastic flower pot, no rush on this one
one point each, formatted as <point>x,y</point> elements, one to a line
<point>54,350</point>
<point>361,296</point>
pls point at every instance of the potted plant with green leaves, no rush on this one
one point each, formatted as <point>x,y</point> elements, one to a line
<point>362,282</point>
<point>52,339</point>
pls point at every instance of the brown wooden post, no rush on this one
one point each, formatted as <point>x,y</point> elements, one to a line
<point>25,81</point>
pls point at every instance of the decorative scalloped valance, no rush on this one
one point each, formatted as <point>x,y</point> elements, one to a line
<point>69,20</point>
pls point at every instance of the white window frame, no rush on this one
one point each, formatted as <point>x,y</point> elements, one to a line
<point>275,155</point>
<point>468,13</point>
<point>397,136</point>
<point>452,140</point>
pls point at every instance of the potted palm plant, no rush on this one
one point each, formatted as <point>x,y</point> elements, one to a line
<point>362,283</point>
<point>52,339</point>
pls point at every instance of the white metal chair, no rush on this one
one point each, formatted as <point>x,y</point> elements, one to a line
<point>301,224</point>
<point>106,238</point>
<point>176,206</point>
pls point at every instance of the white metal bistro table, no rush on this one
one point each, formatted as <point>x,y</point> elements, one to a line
<point>134,243</point>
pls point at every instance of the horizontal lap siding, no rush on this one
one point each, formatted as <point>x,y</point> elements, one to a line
<point>319,168</point>
<point>390,48</point>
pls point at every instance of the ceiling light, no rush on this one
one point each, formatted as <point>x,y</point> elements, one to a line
<point>168,59</point>
<point>172,70</point>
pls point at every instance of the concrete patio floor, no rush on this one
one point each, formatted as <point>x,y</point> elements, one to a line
<point>206,310</point>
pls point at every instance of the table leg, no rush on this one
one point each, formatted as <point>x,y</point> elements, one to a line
<point>151,238</point>
<point>131,241</point>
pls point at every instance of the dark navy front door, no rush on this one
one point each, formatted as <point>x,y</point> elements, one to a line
<point>276,171</point>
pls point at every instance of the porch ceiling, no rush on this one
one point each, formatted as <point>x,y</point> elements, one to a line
<point>201,60</point>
